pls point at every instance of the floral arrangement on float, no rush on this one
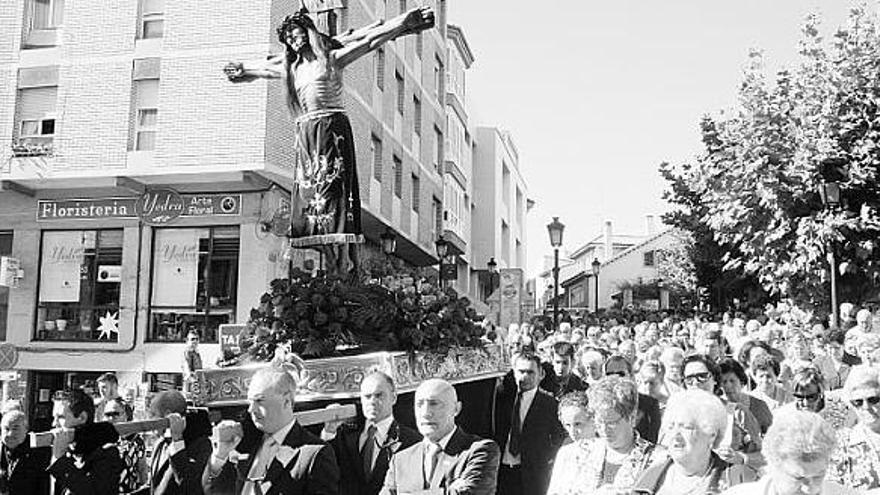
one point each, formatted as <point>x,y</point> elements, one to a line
<point>319,316</point>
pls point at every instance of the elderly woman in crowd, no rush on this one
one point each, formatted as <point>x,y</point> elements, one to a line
<point>741,444</point>
<point>733,377</point>
<point>856,463</point>
<point>577,419</point>
<point>693,427</point>
<point>590,367</point>
<point>798,448</point>
<point>618,456</point>
<point>868,347</point>
<point>808,390</point>
<point>765,371</point>
<point>831,362</point>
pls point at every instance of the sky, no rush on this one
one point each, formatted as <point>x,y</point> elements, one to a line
<point>597,94</point>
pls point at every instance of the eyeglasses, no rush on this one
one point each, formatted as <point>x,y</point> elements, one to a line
<point>858,403</point>
<point>621,374</point>
<point>698,377</point>
<point>112,414</point>
<point>806,397</point>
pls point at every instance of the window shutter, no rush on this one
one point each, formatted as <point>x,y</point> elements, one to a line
<point>398,177</point>
<point>38,77</point>
<point>37,103</point>
<point>380,68</point>
<point>377,158</point>
<point>416,192</point>
<point>146,68</point>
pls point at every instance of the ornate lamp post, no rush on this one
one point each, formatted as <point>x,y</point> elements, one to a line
<point>555,229</point>
<point>389,242</point>
<point>832,174</point>
<point>596,266</point>
<point>442,247</point>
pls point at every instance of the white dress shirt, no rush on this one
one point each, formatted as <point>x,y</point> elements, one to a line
<point>524,404</point>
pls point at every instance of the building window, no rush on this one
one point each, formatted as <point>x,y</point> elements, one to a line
<point>402,6</point>
<point>438,77</point>
<point>35,132</point>
<point>437,223</point>
<point>377,157</point>
<point>146,114</point>
<point>417,115</point>
<point>401,92</point>
<point>380,68</point>
<point>5,250</point>
<point>420,44</point>
<point>195,282</point>
<point>398,176</point>
<point>438,150</point>
<point>649,258</point>
<point>80,282</point>
<point>44,17</point>
<point>416,192</point>
<point>151,23</point>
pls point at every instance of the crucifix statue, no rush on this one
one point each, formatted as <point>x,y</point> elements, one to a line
<point>325,202</point>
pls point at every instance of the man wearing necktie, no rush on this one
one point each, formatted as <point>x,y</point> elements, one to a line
<point>177,463</point>
<point>289,460</point>
<point>527,428</point>
<point>448,460</point>
<point>363,451</point>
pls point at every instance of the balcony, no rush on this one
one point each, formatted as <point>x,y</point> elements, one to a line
<point>33,146</point>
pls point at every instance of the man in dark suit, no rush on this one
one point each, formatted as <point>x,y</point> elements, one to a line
<point>527,428</point>
<point>363,450</point>
<point>448,460</point>
<point>289,460</point>
<point>22,468</point>
<point>180,457</point>
<point>561,380</point>
<point>648,415</point>
<point>93,464</point>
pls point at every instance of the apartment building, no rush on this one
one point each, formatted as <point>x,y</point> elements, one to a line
<point>141,191</point>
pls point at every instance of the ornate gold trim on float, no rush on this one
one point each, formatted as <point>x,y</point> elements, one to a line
<point>340,378</point>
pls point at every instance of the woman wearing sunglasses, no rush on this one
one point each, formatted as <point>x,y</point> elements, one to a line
<point>132,448</point>
<point>741,445</point>
<point>857,461</point>
<point>808,391</point>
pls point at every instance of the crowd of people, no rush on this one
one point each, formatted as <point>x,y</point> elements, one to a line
<point>651,404</point>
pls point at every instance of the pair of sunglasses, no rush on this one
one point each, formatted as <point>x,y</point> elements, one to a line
<point>809,397</point>
<point>621,374</point>
<point>858,403</point>
<point>112,414</point>
<point>698,377</point>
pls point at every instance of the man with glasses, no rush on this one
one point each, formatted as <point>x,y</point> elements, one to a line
<point>648,415</point>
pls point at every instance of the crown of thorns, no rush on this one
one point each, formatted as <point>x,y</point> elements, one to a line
<point>299,19</point>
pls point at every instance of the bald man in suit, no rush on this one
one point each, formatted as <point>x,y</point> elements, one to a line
<point>448,460</point>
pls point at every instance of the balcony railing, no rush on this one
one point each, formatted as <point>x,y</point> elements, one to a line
<point>25,147</point>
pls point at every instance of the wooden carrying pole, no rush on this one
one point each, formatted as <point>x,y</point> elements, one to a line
<point>305,418</point>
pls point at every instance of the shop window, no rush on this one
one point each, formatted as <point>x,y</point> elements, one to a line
<point>5,250</point>
<point>151,19</point>
<point>80,282</point>
<point>195,281</point>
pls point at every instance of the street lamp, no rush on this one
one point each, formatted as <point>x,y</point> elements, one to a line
<point>832,174</point>
<point>389,242</point>
<point>442,247</point>
<point>492,265</point>
<point>555,229</point>
<point>596,265</point>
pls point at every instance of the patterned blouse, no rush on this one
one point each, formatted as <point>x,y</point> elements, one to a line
<point>132,451</point>
<point>581,468</point>
<point>856,463</point>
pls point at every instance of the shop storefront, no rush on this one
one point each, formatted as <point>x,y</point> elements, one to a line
<point>115,282</point>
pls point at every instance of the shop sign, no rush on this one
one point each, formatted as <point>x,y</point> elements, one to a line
<point>157,207</point>
<point>230,338</point>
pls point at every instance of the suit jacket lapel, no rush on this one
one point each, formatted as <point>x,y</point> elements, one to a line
<point>448,459</point>
<point>351,445</point>
<point>293,440</point>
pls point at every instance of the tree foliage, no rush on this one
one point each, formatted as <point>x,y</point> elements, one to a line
<point>756,185</point>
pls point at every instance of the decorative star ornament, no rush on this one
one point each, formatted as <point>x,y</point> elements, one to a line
<point>109,324</point>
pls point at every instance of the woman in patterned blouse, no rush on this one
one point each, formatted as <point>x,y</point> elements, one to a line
<point>131,448</point>
<point>857,461</point>
<point>617,457</point>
